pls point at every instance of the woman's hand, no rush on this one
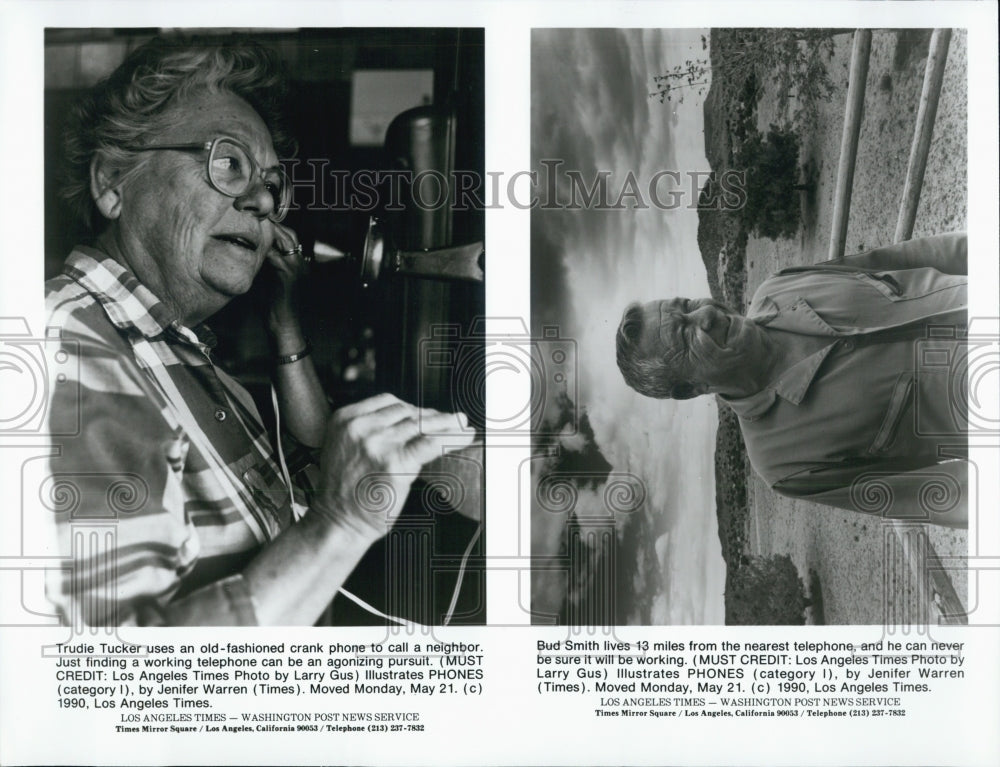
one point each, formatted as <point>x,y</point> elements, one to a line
<point>290,266</point>
<point>301,399</point>
<point>372,452</point>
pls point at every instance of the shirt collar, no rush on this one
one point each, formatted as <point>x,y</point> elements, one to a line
<point>791,385</point>
<point>129,304</point>
<point>797,317</point>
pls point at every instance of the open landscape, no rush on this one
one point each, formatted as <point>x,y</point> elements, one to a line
<point>848,561</point>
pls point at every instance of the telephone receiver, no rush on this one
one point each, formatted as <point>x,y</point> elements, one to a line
<point>380,258</point>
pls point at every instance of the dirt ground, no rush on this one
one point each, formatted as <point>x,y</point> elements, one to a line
<point>862,574</point>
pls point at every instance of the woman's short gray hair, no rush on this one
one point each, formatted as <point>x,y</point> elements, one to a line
<point>135,102</point>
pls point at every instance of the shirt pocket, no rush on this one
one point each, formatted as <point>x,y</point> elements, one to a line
<point>884,283</point>
<point>909,284</point>
<point>902,395</point>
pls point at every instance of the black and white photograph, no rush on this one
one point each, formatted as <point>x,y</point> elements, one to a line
<point>220,340</point>
<point>500,382</point>
<point>754,242</point>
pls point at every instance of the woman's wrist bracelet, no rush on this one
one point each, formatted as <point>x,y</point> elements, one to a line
<point>287,359</point>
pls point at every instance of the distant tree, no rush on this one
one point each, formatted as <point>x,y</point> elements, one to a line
<point>765,591</point>
<point>794,60</point>
<point>692,74</point>
<point>772,185</point>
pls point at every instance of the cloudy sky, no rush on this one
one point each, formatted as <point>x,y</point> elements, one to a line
<point>592,111</point>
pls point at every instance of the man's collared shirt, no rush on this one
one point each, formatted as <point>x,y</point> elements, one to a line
<point>171,482</point>
<point>887,392</point>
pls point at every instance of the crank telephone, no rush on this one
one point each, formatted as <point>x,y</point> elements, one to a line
<point>380,257</point>
<point>429,284</point>
<point>417,241</point>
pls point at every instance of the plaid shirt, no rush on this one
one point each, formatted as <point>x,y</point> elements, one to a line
<point>164,481</point>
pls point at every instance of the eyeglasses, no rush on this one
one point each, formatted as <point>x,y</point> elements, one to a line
<point>232,170</point>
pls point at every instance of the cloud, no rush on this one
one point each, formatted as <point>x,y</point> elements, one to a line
<point>590,110</point>
<point>572,441</point>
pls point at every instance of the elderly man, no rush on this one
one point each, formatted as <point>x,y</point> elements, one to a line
<point>847,376</point>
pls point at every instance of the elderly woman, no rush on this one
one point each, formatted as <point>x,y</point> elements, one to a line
<point>173,161</point>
